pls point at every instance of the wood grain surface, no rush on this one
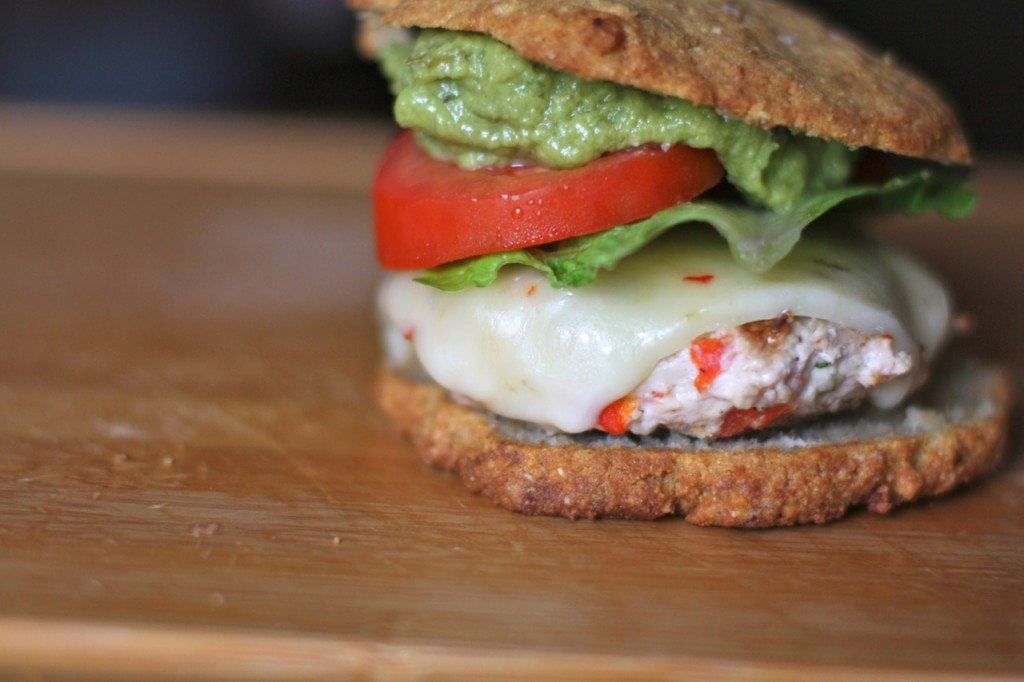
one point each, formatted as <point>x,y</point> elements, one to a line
<point>193,483</point>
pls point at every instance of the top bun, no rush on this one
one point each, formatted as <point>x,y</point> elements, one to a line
<point>758,61</point>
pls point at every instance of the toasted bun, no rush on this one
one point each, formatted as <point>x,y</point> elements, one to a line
<point>813,474</point>
<point>755,60</point>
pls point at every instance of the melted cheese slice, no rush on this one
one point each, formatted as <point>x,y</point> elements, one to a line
<point>556,357</point>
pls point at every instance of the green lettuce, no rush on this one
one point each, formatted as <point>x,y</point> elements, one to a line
<point>758,238</point>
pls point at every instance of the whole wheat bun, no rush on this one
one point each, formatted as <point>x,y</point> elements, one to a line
<point>947,436</point>
<point>759,61</point>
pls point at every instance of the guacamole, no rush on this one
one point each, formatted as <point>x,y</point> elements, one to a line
<point>473,100</point>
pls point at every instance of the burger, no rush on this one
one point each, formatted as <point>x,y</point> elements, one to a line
<point>627,270</point>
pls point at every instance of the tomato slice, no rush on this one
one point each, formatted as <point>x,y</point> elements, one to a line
<point>429,211</point>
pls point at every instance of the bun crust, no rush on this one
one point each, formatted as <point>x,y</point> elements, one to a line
<point>756,60</point>
<point>812,474</point>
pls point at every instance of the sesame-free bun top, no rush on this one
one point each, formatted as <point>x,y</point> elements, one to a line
<point>759,61</point>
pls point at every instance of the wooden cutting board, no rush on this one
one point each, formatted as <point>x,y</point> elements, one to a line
<point>193,482</point>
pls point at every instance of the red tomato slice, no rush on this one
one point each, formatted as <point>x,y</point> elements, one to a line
<point>430,212</point>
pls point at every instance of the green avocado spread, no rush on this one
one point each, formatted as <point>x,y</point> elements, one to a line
<point>473,100</point>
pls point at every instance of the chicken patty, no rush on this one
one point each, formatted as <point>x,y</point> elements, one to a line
<point>759,374</point>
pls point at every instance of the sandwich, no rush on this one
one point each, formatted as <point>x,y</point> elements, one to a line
<point>628,274</point>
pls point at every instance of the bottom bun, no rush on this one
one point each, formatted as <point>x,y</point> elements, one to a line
<point>948,435</point>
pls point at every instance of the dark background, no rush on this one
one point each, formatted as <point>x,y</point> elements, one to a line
<point>296,57</point>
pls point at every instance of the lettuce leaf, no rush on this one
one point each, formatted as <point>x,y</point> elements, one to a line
<point>758,238</point>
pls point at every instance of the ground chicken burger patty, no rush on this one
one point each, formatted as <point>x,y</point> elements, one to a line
<point>763,373</point>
